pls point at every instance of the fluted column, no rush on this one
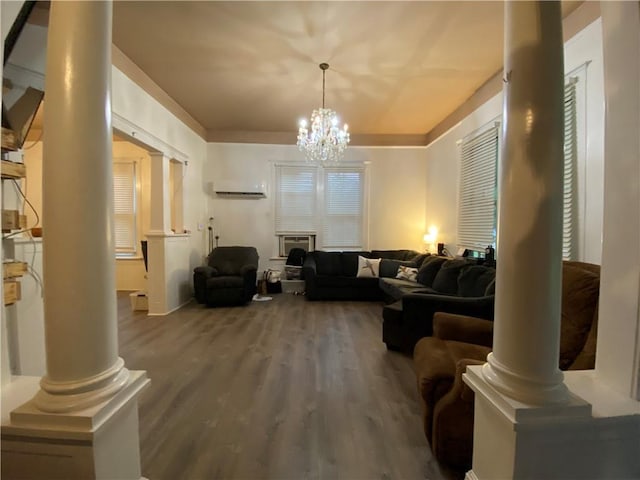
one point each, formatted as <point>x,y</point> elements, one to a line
<point>524,362</point>
<point>83,367</point>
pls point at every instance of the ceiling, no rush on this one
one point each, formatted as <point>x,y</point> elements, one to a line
<point>396,68</point>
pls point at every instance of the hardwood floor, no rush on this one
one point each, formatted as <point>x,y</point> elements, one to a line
<point>286,389</point>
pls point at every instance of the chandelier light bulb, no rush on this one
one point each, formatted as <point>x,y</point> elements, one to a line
<point>324,142</point>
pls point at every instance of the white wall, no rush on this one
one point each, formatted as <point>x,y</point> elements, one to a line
<point>396,182</point>
<point>443,154</point>
<point>143,118</point>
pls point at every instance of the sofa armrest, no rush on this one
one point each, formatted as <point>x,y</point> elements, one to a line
<point>419,309</point>
<point>247,269</point>
<point>206,271</point>
<point>451,326</point>
<point>309,276</point>
<point>453,422</point>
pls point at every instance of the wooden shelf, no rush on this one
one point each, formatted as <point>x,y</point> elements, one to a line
<point>8,140</point>
<point>13,170</point>
<point>12,291</point>
<point>13,269</point>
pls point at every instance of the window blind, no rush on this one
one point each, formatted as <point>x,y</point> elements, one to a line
<point>570,197</point>
<point>478,194</point>
<point>295,199</point>
<point>343,207</point>
<point>124,200</point>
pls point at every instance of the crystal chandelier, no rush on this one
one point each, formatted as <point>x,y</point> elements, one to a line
<point>325,142</point>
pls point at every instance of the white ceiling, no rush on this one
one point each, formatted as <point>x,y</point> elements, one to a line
<point>395,67</point>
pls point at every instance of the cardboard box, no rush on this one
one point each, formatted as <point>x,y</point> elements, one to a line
<point>139,301</point>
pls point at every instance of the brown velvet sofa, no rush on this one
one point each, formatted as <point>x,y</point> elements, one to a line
<point>459,341</point>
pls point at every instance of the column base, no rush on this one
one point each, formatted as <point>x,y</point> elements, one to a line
<point>553,392</point>
<point>100,442</point>
<point>517,440</point>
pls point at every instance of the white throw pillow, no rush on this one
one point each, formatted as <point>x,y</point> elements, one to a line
<point>407,273</point>
<point>368,267</point>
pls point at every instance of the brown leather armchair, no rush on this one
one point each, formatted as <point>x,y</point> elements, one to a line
<point>459,341</point>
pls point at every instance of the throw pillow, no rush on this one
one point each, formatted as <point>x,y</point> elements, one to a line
<point>368,267</point>
<point>389,268</point>
<point>446,280</point>
<point>407,273</point>
<point>474,280</point>
<point>429,269</point>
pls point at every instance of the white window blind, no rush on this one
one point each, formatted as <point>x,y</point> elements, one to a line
<point>124,199</point>
<point>478,194</point>
<point>343,207</point>
<point>570,197</point>
<point>295,199</point>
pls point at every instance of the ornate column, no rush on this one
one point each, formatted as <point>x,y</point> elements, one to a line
<point>83,422</point>
<point>526,422</point>
<point>524,362</point>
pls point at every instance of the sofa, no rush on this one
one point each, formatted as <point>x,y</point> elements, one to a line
<point>459,341</point>
<point>334,275</point>
<point>229,278</point>
<point>442,285</point>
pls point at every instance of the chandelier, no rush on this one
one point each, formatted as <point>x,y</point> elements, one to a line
<point>325,142</point>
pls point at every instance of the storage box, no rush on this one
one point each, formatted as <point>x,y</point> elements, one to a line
<point>292,272</point>
<point>293,286</point>
<point>139,301</point>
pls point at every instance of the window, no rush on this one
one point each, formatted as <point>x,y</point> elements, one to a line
<point>570,197</point>
<point>319,206</point>
<point>295,199</point>
<point>343,202</point>
<point>124,202</point>
<point>477,206</point>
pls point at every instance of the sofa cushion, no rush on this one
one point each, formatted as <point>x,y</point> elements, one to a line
<point>398,288</point>
<point>225,282</point>
<point>446,280</point>
<point>389,268</point>
<point>429,269</point>
<point>349,262</point>
<point>328,263</point>
<point>580,292</point>
<point>474,280</point>
<point>368,267</point>
<point>343,282</point>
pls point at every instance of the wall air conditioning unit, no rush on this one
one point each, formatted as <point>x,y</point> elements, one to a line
<point>240,189</point>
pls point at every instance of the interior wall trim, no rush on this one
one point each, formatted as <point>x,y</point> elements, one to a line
<point>141,137</point>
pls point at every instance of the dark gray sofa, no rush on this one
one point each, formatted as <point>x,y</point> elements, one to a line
<point>443,285</point>
<point>332,275</point>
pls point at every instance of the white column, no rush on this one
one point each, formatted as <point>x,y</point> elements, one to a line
<point>79,269</point>
<point>160,207</point>
<point>83,420</point>
<point>524,362</point>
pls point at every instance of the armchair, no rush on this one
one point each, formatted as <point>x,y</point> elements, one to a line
<point>459,341</point>
<point>229,278</point>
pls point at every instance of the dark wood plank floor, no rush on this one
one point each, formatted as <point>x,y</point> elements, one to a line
<point>286,389</point>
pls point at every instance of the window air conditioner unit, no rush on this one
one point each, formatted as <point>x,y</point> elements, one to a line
<point>240,189</point>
